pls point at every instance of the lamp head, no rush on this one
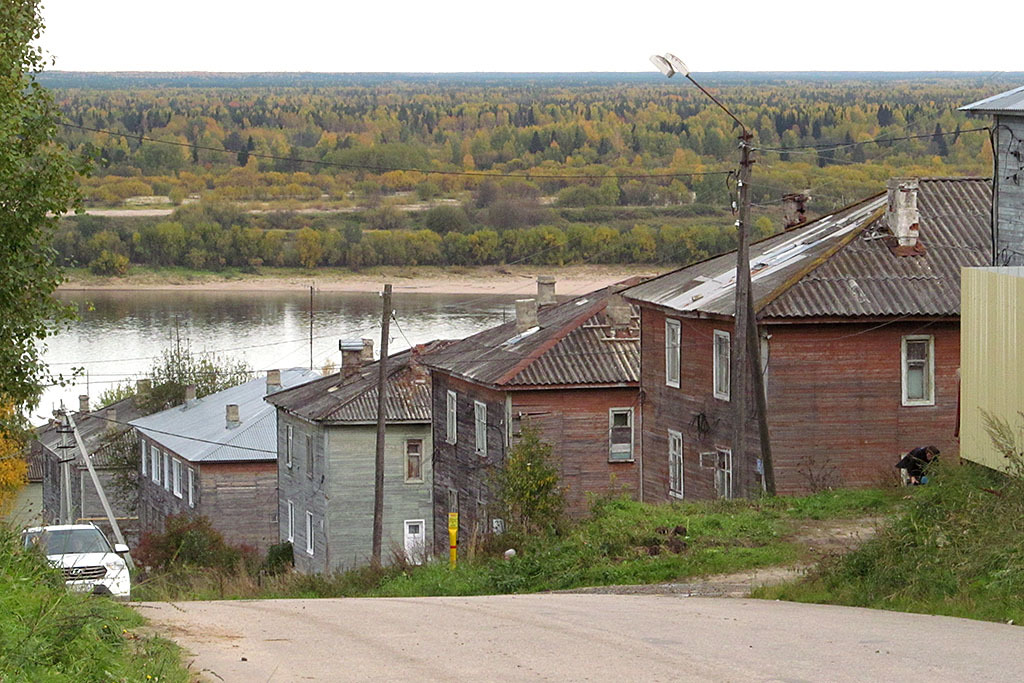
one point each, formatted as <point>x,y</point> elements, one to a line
<point>663,65</point>
<point>677,64</point>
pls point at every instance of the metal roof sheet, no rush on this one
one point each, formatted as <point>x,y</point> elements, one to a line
<point>571,346</point>
<point>837,267</point>
<point>1011,101</point>
<point>93,426</point>
<point>199,432</point>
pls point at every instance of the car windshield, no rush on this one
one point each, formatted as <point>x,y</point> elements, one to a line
<point>68,541</point>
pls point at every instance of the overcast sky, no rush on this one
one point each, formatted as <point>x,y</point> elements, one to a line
<point>528,35</point>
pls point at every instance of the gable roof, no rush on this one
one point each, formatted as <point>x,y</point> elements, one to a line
<point>1009,102</point>
<point>840,265</point>
<point>199,432</point>
<point>353,400</point>
<point>93,426</point>
<point>571,346</point>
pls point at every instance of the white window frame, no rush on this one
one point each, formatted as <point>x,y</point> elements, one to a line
<point>144,445</point>
<point>176,476</point>
<point>167,471</point>
<point>929,370</point>
<point>288,446</point>
<point>191,476</point>
<point>620,455</point>
<point>723,473</point>
<point>154,453</point>
<point>480,428</point>
<point>419,479</point>
<point>673,354</point>
<point>451,420</point>
<point>716,361</point>
<point>290,528</point>
<point>309,533</point>
<point>675,463</point>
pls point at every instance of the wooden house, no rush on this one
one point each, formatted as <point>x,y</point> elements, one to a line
<point>569,369</point>
<point>216,456</point>
<point>326,442</point>
<point>858,316</point>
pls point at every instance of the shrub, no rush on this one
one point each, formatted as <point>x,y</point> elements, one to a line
<point>527,493</point>
<point>190,541</point>
<point>110,264</point>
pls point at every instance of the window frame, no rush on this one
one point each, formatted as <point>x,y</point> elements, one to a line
<point>310,539</point>
<point>144,445</point>
<point>176,477</point>
<point>480,428</point>
<point>288,434</point>
<point>419,466</point>
<point>672,375</point>
<point>290,528</point>
<point>612,412</point>
<point>191,477</point>
<point>167,471</point>
<point>724,456</point>
<point>929,370</point>
<point>716,358</point>
<point>155,464</point>
<point>309,456</point>
<point>451,417</point>
<point>675,465</point>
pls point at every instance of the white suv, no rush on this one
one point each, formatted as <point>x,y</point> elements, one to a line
<point>84,556</point>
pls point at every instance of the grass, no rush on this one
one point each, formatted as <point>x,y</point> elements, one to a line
<point>50,634</point>
<point>622,542</point>
<point>957,549</point>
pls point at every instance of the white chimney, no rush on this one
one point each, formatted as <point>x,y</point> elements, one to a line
<point>273,381</point>
<point>83,403</point>
<point>526,314</point>
<point>545,290</point>
<point>190,395</point>
<point>901,213</point>
<point>231,415</point>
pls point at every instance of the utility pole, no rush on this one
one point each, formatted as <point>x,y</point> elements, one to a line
<point>378,478</point>
<point>99,489</point>
<point>311,327</point>
<point>66,507</point>
<point>739,371</point>
<point>760,398</point>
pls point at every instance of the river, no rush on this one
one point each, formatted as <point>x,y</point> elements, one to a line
<point>119,334</point>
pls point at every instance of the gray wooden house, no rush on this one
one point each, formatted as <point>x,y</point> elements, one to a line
<point>326,441</point>
<point>216,456</point>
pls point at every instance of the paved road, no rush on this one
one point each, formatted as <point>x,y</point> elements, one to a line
<point>581,637</point>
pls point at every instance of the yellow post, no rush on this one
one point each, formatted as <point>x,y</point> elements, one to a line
<point>453,537</point>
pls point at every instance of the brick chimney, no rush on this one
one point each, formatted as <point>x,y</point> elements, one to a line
<point>901,213</point>
<point>545,290</point>
<point>273,381</point>
<point>231,416</point>
<point>83,403</point>
<point>619,314</point>
<point>190,395</point>
<point>420,372</point>
<point>355,353</point>
<point>143,387</point>
<point>526,314</point>
<point>794,212</point>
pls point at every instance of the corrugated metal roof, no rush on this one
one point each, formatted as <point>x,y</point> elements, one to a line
<point>93,427</point>
<point>353,400</point>
<point>199,432</point>
<point>1011,101</point>
<point>837,267</point>
<point>571,346</point>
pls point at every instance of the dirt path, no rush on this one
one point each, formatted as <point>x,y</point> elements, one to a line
<point>819,539</point>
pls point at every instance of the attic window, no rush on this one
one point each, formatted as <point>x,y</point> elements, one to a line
<point>521,336</point>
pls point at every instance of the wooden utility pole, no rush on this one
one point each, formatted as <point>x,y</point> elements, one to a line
<point>311,327</point>
<point>378,478</point>
<point>760,398</point>
<point>739,371</point>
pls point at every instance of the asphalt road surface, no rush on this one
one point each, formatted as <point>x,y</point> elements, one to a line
<point>565,637</point>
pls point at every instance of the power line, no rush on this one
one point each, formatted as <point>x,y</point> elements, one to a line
<point>182,436</point>
<point>386,169</point>
<point>882,140</point>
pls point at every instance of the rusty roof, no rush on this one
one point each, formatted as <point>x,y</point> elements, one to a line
<point>572,345</point>
<point>353,400</point>
<point>840,265</point>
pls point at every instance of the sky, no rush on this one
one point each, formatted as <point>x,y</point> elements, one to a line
<point>526,35</point>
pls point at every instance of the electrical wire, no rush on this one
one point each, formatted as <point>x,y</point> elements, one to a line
<point>882,140</point>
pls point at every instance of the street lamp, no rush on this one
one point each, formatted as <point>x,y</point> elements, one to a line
<point>745,354</point>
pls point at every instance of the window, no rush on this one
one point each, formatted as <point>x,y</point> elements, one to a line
<point>191,487</point>
<point>145,455</point>
<point>480,427</point>
<point>675,463</point>
<point>451,435</point>
<point>723,473</point>
<point>309,532</point>
<point>309,456</point>
<point>918,370</point>
<point>672,334</point>
<point>288,446</point>
<point>167,471</point>
<point>176,476</point>
<point>721,369</point>
<point>291,522</point>
<point>155,464</point>
<point>414,460</point>
<point>620,434</point>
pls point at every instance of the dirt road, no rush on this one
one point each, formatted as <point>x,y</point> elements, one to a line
<point>580,637</point>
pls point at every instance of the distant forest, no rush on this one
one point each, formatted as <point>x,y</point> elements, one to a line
<point>523,167</point>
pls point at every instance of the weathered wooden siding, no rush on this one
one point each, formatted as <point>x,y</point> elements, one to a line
<point>1009,197</point>
<point>575,423</point>
<point>305,490</point>
<point>457,467</point>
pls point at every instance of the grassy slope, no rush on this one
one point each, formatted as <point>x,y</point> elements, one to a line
<point>49,634</point>
<point>956,550</point>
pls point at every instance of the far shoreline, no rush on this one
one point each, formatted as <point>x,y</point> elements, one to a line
<point>497,280</point>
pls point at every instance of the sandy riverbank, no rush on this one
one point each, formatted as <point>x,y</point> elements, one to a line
<point>513,280</point>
